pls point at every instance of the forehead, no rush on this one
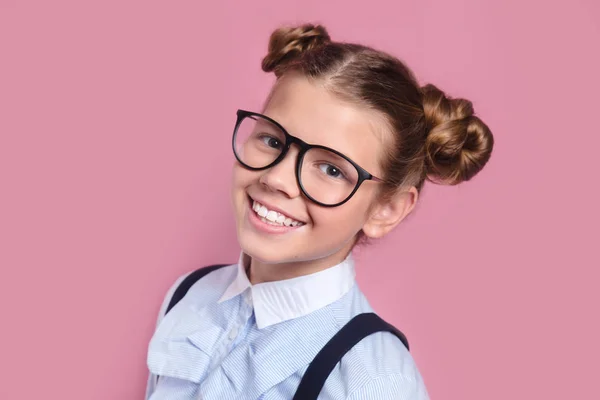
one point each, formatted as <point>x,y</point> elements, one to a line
<point>306,109</point>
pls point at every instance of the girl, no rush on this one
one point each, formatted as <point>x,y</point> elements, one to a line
<point>339,154</point>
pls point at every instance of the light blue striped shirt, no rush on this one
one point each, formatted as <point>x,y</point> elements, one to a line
<point>228,339</point>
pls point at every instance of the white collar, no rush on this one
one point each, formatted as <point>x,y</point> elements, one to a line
<point>283,300</point>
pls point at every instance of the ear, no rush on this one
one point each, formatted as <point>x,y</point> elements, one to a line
<point>386,214</point>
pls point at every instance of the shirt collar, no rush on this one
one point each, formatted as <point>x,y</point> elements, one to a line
<point>283,300</point>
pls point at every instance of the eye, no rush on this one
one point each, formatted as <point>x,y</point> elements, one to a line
<point>271,141</point>
<point>332,171</point>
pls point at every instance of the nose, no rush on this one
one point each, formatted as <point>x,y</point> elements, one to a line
<point>282,176</point>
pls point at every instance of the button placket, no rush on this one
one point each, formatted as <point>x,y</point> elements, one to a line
<point>241,320</point>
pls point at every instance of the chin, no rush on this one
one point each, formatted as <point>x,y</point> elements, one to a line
<point>264,257</point>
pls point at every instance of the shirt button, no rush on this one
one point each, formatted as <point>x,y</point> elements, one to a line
<point>233,333</point>
<point>248,297</point>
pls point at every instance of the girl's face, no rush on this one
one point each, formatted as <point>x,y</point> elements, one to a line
<point>325,235</point>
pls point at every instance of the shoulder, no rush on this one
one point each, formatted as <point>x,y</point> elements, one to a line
<point>210,287</point>
<point>378,367</point>
<point>214,283</point>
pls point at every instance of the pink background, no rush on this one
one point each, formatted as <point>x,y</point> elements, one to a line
<point>115,121</point>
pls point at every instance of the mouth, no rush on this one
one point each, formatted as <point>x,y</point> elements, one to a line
<point>273,218</point>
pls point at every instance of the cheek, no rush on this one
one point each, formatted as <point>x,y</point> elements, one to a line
<point>349,218</point>
<point>342,221</point>
<point>242,178</point>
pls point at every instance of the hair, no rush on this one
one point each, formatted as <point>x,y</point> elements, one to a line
<point>435,137</point>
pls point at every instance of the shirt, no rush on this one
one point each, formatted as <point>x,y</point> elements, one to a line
<point>229,339</point>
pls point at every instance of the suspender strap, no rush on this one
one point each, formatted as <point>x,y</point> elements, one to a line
<point>189,281</point>
<point>353,332</point>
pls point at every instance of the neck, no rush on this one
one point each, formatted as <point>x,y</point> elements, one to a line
<point>260,272</point>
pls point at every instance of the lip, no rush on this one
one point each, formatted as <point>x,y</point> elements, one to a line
<point>261,226</point>
<point>273,208</point>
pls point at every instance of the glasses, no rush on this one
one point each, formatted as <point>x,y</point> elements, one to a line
<point>325,176</point>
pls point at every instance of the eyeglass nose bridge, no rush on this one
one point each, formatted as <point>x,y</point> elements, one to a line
<point>289,141</point>
<point>304,147</point>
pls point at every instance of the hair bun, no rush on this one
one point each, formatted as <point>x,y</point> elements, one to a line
<point>459,144</point>
<point>287,44</point>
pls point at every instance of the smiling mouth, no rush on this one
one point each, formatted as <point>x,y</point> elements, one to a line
<point>273,217</point>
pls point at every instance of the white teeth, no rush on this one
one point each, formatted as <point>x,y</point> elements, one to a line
<point>273,217</point>
<point>266,221</point>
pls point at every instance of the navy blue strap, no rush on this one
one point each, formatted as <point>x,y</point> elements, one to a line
<point>353,332</point>
<point>189,281</point>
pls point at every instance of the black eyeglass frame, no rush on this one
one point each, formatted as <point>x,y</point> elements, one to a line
<point>363,175</point>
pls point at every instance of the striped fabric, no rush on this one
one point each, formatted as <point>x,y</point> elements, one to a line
<point>210,349</point>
